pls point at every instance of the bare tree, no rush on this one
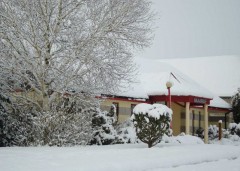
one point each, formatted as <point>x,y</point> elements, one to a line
<point>49,47</point>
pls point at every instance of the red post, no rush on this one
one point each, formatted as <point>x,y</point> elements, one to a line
<point>169,103</point>
<point>169,97</point>
<point>169,85</point>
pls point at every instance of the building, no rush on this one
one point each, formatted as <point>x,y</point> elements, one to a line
<point>193,105</point>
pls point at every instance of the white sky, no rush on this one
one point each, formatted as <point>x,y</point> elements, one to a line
<point>193,28</point>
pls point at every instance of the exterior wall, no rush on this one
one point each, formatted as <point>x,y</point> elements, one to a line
<point>215,116</point>
<point>196,120</point>
<point>124,108</point>
<point>177,120</point>
<point>228,99</point>
<point>31,95</point>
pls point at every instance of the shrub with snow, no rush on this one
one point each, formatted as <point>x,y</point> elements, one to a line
<point>234,129</point>
<point>127,133</point>
<point>104,133</point>
<point>200,132</point>
<point>67,123</point>
<point>229,136</point>
<point>16,124</point>
<point>213,132</point>
<point>151,122</point>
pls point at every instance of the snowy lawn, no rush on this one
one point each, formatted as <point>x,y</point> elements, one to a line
<point>131,157</point>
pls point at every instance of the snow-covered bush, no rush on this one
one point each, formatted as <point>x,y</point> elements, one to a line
<point>16,124</point>
<point>17,129</point>
<point>226,133</point>
<point>127,133</point>
<point>200,132</point>
<point>213,132</point>
<point>236,106</point>
<point>67,123</point>
<point>151,122</point>
<point>64,129</point>
<point>234,129</point>
<point>104,133</point>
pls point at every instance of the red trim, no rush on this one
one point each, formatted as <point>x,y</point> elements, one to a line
<point>122,99</point>
<point>219,109</point>
<point>191,99</point>
<point>212,108</point>
<point>17,90</point>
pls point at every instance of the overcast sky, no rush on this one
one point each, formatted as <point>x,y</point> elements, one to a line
<point>195,28</point>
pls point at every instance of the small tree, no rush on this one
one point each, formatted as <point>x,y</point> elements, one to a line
<point>236,106</point>
<point>102,122</point>
<point>151,122</point>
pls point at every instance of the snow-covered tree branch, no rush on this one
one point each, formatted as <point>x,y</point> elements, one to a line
<point>53,46</point>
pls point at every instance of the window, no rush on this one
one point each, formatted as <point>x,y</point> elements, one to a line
<point>199,120</point>
<point>117,109</point>
<point>193,118</point>
<point>132,107</point>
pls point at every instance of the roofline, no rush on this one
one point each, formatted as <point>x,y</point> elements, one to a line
<point>214,108</point>
<point>195,100</point>
<point>123,98</point>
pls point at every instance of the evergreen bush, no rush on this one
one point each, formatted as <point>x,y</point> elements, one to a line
<point>151,122</point>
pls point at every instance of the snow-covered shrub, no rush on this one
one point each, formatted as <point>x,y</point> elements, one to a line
<point>17,129</point>
<point>104,133</point>
<point>234,129</point>
<point>236,106</point>
<point>127,133</point>
<point>188,139</point>
<point>213,132</point>
<point>16,124</point>
<point>226,133</point>
<point>151,122</point>
<point>200,132</point>
<point>64,129</point>
<point>68,123</point>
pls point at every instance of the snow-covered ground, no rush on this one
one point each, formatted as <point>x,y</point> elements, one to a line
<point>129,157</point>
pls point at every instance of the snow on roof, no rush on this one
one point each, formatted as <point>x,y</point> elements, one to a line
<point>152,79</point>
<point>220,74</point>
<point>218,102</point>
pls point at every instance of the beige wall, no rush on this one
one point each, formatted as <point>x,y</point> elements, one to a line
<point>30,95</point>
<point>124,108</point>
<point>177,122</point>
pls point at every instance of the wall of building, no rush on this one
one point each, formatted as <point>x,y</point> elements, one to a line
<point>31,95</point>
<point>177,121</point>
<point>125,108</point>
<point>196,119</point>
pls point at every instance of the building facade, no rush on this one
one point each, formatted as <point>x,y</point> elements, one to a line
<point>188,112</point>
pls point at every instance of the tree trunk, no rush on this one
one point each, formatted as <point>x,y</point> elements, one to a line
<point>150,144</point>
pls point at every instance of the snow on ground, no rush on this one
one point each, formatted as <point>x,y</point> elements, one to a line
<point>125,157</point>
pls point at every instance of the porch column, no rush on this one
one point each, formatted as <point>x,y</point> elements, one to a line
<point>205,123</point>
<point>187,120</point>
